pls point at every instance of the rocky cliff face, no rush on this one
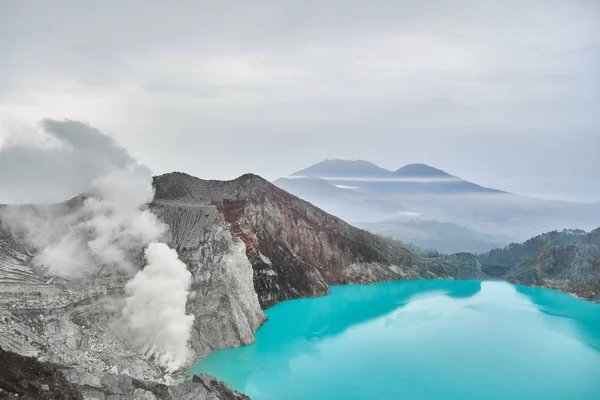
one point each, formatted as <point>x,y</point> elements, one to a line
<point>248,246</point>
<point>296,249</point>
<point>223,301</point>
<point>574,268</point>
<point>75,323</point>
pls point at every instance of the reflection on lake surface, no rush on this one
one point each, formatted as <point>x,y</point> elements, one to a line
<point>415,340</point>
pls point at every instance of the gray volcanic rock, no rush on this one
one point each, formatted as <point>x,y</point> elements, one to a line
<point>112,386</point>
<point>296,249</point>
<point>574,269</point>
<point>26,378</point>
<point>203,386</point>
<point>76,323</point>
<point>225,306</point>
<point>29,379</point>
<point>247,244</point>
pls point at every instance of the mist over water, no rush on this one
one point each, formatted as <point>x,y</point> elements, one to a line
<point>421,340</point>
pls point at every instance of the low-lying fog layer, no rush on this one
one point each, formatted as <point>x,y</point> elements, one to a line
<point>442,217</point>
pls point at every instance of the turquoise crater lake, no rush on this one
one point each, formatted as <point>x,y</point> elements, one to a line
<point>421,340</point>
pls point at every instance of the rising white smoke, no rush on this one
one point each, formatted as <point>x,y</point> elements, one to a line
<point>156,297</point>
<point>110,226</point>
<point>104,231</point>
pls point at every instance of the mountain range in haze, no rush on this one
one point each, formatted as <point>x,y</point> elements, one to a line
<point>431,208</point>
<point>248,245</point>
<point>418,178</point>
<point>339,167</point>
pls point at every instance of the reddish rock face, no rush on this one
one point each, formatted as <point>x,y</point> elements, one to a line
<point>295,248</point>
<point>233,211</point>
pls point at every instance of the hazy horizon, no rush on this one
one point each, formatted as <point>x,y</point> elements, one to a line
<point>524,187</point>
<point>502,94</point>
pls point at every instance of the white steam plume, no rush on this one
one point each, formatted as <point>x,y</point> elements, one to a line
<point>112,224</point>
<point>156,297</point>
<point>104,231</point>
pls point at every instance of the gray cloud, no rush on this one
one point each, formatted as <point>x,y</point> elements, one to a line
<point>494,91</point>
<point>60,162</point>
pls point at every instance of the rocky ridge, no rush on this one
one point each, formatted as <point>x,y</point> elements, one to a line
<point>296,249</point>
<point>498,262</point>
<point>573,268</point>
<point>248,245</point>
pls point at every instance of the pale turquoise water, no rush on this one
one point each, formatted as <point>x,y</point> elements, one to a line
<point>419,340</point>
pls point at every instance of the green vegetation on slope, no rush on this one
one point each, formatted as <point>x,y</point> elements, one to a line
<point>499,262</point>
<point>415,250</point>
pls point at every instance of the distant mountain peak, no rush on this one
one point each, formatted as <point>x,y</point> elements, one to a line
<point>345,161</point>
<point>418,169</point>
<point>411,178</point>
<point>339,168</point>
<point>362,168</point>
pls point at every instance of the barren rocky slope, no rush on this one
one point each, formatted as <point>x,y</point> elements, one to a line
<point>296,249</point>
<point>26,378</point>
<point>247,244</point>
<point>223,301</point>
<point>574,268</point>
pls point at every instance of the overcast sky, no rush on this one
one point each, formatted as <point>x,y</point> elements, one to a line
<point>505,93</point>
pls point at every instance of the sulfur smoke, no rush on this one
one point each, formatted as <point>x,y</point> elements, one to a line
<point>103,231</point>
<point>156,296</point>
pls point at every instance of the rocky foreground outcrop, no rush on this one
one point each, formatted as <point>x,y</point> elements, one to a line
<point>110,386</point>
<point>574,268</point>
<point>26,378</point>
<point>247,244</point>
